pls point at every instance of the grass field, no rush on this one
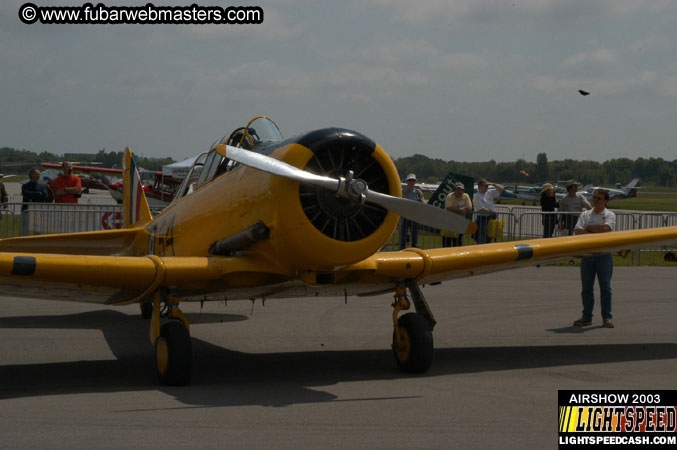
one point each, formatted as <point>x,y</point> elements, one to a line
<point>648,199</point>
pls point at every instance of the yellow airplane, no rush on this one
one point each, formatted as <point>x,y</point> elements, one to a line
<point>263,217</point>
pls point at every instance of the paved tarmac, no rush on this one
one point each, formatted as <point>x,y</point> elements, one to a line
<point>318,373</point>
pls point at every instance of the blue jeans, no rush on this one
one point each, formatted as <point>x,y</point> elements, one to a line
<point>482,221</point>
<point>406,224</point>
<point>601,266</point>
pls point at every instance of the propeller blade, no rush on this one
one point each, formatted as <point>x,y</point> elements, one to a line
<point>416,211</point>
<point>276,167</point>
<point>423,213</point>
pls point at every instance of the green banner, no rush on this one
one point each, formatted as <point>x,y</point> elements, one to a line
<point>447,188</point>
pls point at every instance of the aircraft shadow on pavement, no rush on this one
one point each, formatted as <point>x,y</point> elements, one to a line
<point>223,377</point>
<point>574,329</point>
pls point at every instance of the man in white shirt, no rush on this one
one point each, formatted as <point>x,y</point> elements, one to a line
<point>483,202</point>
<point>596,220</point>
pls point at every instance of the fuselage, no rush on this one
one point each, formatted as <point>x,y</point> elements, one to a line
<point>309,229</point>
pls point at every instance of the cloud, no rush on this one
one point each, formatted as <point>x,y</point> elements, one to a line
<point>532,11</point>
<point>670,86</point>
<point>274,78</point>
<point>358,75</point>
<point>412,55</point>
<point>592,62</point>
<point>277,27</point>
<point>654,44</point>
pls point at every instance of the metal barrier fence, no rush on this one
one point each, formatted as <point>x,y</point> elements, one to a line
<point>512,223</point>
<point>523,222</point>
<point>27,219</point>
<point>50,218</point>
<point>53,218</point>
<point>428,238</point>
<point>9,226</point>
<point>671,220</point>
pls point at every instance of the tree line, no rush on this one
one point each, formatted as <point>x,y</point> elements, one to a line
<point>14,161</point>
<point>651,171</point>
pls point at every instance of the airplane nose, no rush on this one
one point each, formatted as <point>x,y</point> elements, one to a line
<point>336,152</point>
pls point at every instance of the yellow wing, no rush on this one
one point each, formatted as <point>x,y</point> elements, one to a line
<point>85,243</point>
<point>127,279</point>
<point>427,266</point>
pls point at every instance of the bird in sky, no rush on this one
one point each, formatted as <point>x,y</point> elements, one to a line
<point>583,93</point>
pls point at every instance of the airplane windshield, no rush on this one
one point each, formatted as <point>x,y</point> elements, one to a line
<point>261,129</point>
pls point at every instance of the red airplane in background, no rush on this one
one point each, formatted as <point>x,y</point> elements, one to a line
<point>160,190</point>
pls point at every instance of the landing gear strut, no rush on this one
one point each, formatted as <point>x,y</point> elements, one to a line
<point>412,334</point>
<point>173,349</point>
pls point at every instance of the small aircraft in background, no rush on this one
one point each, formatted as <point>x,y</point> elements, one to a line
<point>533,193</point>
<point>627,191</point>
<point>91,177</point>
<point>259,216</point>
<point>507,194</point>
<point>432,188</point>
<point>426,188</point>
<point>159,189</point>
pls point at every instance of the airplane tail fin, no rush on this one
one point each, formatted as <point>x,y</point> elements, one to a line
<point>630,190</point>
<point>136,211</point>
<point>632,184</point>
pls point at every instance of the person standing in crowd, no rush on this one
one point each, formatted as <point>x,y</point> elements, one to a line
<point>548,205</point>
<point>67,187</point>
<point>459,203</point>
<point>572,204</point>
<point>411,192</point>
<point>4,198</point>
<point>33,191</point>
<point>596,220</point>
<point>483,201</point>
<point>49,184</point>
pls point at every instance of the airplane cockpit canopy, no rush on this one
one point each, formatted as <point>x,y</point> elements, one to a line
<point>207,166</point>
<point>259,130</point>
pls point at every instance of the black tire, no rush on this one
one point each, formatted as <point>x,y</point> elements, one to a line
<point>173,354</point>
<point>417,354</point>
<point>146,310</point>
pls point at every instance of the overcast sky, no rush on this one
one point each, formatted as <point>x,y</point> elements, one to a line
<point>465,80</point>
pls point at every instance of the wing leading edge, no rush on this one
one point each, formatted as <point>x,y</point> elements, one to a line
<point>457,262</point>
<point>128,279</point>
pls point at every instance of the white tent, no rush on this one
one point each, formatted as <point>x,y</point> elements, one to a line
<point>179,169</point>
